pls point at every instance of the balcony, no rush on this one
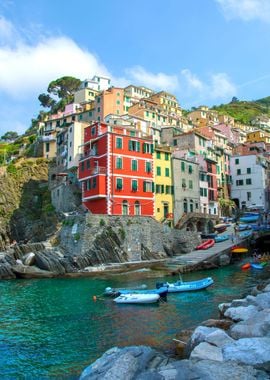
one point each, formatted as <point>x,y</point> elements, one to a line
<point>47,138</point>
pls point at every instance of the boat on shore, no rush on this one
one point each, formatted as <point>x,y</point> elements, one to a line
<point>220,227</point>
<point>239,250</point>
<point>221,238</point>
<point>187,286</point>
<point>206,244</point>
<point>132,298</point>
<point>249,217</point>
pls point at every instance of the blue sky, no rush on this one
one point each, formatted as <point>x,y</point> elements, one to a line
<point>203,51</point>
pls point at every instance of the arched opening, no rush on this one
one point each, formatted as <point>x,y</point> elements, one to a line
<point>125,208</point>
<point>185,205</point>
<point>191,206</point>
<point>199,226</point>
<point>137,208</point>
<point>190,227</point>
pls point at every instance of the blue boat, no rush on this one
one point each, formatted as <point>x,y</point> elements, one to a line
<point>186,286</point>
<point>243,227</point>
<point>249,217</point>
<point>162,291</point>
<point>245,234</point>
<point>221,238</point>
<point>256,265</point>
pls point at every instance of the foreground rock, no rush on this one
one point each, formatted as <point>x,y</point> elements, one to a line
<point>240,350</point>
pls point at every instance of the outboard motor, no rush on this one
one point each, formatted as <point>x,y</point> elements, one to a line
<point>160,285</point>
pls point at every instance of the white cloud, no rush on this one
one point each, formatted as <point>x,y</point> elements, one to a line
<point>192,80</point>
<point>27,69</point>
<point>7,31</point>
<point>246,9</point>
<point>221,86</point>
<point>158,81</point>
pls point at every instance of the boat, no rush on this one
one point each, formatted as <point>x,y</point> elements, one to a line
<point>239,250</point>
<point>209,236</point>
<point>187,286</point>
<point>245,234</point>
<point>220,227</point>
<point>206,244</point>
<point>137,298</point>
<point>257,265</point>
<point>162,291</point>
<point>249,217</point>
<point>113,292</point>
<point>221,238</point>
<point>243,227</point>
<point>246,266</point>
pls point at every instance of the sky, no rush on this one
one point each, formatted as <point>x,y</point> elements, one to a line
<point>203,51</point>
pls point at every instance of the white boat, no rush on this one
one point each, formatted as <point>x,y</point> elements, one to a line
<point>137,298</point>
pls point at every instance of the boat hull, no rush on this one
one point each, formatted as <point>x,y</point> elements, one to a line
<point>206,245</point>
<point>137,298</point>
<point>188,286</point>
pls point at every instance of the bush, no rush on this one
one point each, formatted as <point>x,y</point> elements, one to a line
<point>11,169</point>
<point>102,222</point>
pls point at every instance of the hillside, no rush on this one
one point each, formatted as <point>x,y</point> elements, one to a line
<point>245,111</point>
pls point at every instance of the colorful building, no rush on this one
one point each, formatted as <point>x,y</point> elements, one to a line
<point>163,184</point>
<point>116,171</point>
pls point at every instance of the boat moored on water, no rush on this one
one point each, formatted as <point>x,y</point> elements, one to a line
<point>133,298</point>
<point>249,217</point>
<point>113,292</point>
<point>187,286</point>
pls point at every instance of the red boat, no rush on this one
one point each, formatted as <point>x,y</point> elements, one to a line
<point>206,244</point>
<point>246,266</point>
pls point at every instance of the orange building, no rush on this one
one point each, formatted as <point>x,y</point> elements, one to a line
<point>116,171</point>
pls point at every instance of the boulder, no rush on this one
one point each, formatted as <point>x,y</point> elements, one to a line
<point>240,313</point>
<point>29,258</point>
<point>205,350</point>
<point>251,351</point>
<point>257,325</point>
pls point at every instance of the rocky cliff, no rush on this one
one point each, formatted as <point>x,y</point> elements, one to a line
<point>26,213</point>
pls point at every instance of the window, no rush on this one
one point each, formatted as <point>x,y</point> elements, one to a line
<point>174,142</point>
<point>184,185</point>
<point>248,170</point>
<point>118,102</point>
<point>166,156</point>
<point>134,146</point>
<point>134,165</point>
<point>239,182</point>
<point>134,185</point>
<point>190,169</point>
<point>158,155</point>
<point>248,195</point>
<point>47,147</point>
<point>137,208</point>
<point>119,143</point>
<point>88,164</point>
<point>148,167</point>
<point>94,185</point>
<point>147,148</point>
<point>119,163</point>
<point>248,181</point>
<point>236,161</point>
<point>125,208</point>
<point>158,170</point>
<point>98,99</point>
<point>148,186</point>
<point>190,184</point>
<point>82,166</point>
<point>182,166</point>
<point>158,189</point>
<point>93,131</point>
<point>119,183</point>
<point>168,189</point>
<point>238,171</point>
<point>167,172</point>
<point>98,109</point>
<point>88,184</point>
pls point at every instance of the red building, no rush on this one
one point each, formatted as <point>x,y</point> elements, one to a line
<point>116,171</point>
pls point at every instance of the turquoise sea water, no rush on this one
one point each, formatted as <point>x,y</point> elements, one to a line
<point>52,328</point>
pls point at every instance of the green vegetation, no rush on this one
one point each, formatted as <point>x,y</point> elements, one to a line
<point>102,222</point>
<point>243,111</point>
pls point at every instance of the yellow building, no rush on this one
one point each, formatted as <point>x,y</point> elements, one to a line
<point>258,136</point>
<point>163,184</point>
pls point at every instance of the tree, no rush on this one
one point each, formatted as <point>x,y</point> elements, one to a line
<point>46,101</point>
<point>234,99</point>
<point>9,136</point>
<point>64,87</point>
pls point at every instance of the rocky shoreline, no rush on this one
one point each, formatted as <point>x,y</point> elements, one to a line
<point>237,346</point>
